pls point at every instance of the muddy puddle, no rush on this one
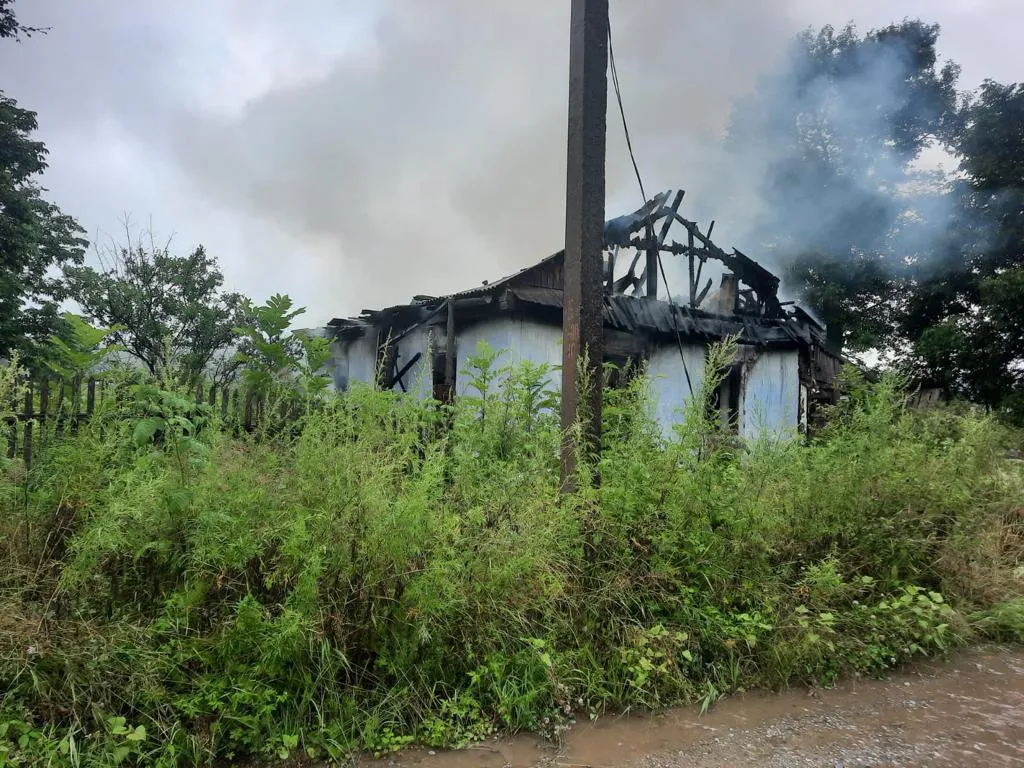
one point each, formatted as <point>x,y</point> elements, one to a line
<point>967,711</point>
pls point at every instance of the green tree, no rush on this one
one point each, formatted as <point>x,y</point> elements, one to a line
<point>833,136</point>
<point>279,362</point>
<point>927,267</point>
<point>10,27</point>
<point>167,311</point>
<point>81,351</point>
<point>35,236</point>
<point>966,322</point>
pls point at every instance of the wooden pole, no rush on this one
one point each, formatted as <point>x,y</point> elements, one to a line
<point>449,353</point>
<point>693,278</point>
<point>90,397</point>
<point>582,322</point>
<point>652,266</point>
<point>26,449</point>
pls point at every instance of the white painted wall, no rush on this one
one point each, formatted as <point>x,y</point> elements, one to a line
<point>771,399</point>
<point>518,339</point>
<point>340,358</point>
<point>669,387</point>
<point>357,360</point>
<point>419,379</point>
<point>354,361</point>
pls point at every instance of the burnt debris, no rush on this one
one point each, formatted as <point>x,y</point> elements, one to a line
<point>636,320</point>
<point>636,232</point>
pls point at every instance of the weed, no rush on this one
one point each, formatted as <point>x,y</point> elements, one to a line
<point>394,570</point>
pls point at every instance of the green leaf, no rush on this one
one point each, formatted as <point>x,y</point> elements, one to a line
<point>120,753</point>
<point>145,430</point>
<point>138,734</point>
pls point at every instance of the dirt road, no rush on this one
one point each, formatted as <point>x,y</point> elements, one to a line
<point>968,711</point>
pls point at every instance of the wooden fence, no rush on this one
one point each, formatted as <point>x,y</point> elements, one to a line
<point>48,404</point>
<point>49,409</point>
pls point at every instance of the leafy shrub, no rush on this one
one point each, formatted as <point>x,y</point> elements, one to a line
<point>400,570</point>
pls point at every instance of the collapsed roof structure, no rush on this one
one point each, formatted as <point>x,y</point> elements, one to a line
<point>522,313</point>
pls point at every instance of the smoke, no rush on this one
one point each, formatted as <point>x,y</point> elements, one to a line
<point>433,156</point>
<point>830,146</point>
<point>357,153</point>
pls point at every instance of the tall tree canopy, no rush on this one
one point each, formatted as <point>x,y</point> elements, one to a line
<point>832,138</point>
<point>927,266</point>
<point>36,238</point>
<point>167,311</point>
<point>966,322</point>
<point>10,27</point>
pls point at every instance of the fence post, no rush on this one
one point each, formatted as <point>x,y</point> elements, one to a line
<point>12,437</point>
<point>27,447</point>
<point>76,403</point>
<point>58,415</point>
<point>90,397</point>
<point>248,411</point>
<point>44,399</point>
<point>44,409</point>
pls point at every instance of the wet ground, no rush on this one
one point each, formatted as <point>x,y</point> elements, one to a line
<point>965,712</point>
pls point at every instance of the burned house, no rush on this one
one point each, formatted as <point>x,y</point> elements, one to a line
<point>784,370</point>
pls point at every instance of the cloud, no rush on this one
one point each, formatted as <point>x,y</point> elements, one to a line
<point>355,153</point>
<point>434,155</point>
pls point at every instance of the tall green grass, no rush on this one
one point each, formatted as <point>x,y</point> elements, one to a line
<point>394,571</point>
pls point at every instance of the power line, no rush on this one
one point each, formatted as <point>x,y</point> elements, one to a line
<point>643,194</point>
<point>622,112</point>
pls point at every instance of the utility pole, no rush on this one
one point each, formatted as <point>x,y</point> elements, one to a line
<point>582,315</point>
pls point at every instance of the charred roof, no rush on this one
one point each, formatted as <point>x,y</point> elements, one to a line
<point>748,303</point>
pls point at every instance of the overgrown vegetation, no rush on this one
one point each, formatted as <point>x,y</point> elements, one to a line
<point>394,571</point>
<point>364,571</point>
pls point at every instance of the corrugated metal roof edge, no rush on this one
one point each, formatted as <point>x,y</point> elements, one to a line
<point>480,290</point>
<point>632,314</point>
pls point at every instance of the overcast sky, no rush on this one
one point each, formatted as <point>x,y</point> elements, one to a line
<point>352,153</point>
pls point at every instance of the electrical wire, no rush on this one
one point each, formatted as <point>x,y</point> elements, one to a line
<point>622,112</point>
<point>650,225</point>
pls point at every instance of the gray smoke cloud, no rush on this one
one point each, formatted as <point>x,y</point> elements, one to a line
<point>434,157</point>
<point>356,153</point>
<point>833,159</point>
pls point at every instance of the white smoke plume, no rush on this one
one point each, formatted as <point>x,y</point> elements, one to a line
<point>356,153</point>
<point>434,157</point>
